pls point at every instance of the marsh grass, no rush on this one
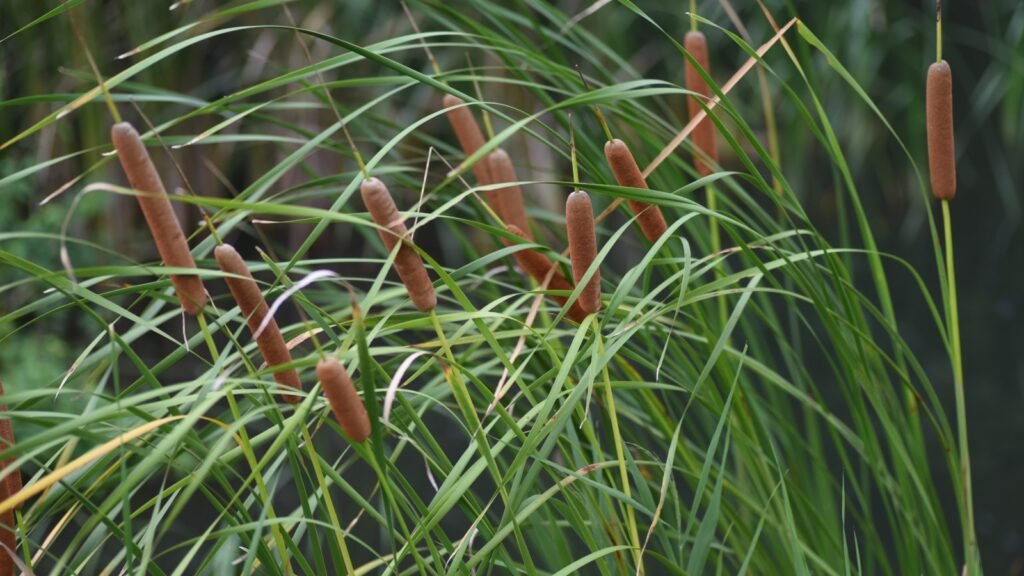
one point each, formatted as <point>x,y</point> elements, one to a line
<point>739,405</point>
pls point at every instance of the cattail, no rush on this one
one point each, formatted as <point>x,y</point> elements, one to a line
<point>538,266</point>
<point>579,222</point>
<point>627,173</point>
<point>341,395</point>
<point>941,149</point>
<point>10,486</point>
<point>704,133</point>
<point>408,263</point>
<point>471,139</point>
<point>156,207</point>
<point>254,308</point>
<point>510,199</point>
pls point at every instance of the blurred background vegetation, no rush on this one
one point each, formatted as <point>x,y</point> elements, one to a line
<point>886,45</point>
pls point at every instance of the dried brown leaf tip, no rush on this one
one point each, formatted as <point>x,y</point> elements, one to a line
<point>538,266</point>
<point>511,207</point>
<point>254,308</point>
<point>704,133</point>
<point>579,222</point>
<point>408,263</point>
<point>341,394</point>
<point>941,145</point>
<point>156,207</point>
<point>10,486</point>
<point>627,173</point>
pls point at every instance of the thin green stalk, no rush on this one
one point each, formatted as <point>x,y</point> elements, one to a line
<point>970,540</point>
<point>339,530</point>
<point>634,534</point>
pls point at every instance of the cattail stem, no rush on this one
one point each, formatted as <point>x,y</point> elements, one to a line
<point>408,263</point>
<point>348,408</point>
<point>939,116</point>
<point>156,207</point>
<point>628,174</point>
<point>512,210</point>
<point>10,486</point>
<point>545,273</point>
<point>254,308</point>
<point>579,222</point>
<point>705,148</point>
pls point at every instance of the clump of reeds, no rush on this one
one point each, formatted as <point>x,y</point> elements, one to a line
<point>348,408</point>
<point>704,133</point>
<point>10,486</point>
<point>941,147</point>
<point>538,266</point>
<point>156,207</point>
<point>579,222</point>
<point>408,263</point>
<point>254,308</point>
<point>627,173</point>
<point>511,208</point>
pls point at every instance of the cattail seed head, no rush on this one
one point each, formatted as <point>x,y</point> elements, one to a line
<point>941,146</point>
<point>254,308</point>
<point>704,133</point>
<point>408,263</point>
<point>156,207</point>
<point>510,199</point>
<point>10,486</point>
<point>348,408</point>
<point>467,131</point>
<point>538,266</point>
<point>627,173</point>
<point>579,222</point>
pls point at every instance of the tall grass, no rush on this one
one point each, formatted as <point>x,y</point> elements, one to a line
<point>738,406</point>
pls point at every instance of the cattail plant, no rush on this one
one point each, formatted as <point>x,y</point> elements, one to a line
<point>254,308</point>
<point>939,112</point>
<point>348,408</point>
<point>471,139</point>
<point>156,207</point>
<point>538,266</point>
<point>579,222</point>
<point>510,199</point>
<point>10,486</point>
<point>704,133</point>
<point>408,263</point>
<point>627,173</point>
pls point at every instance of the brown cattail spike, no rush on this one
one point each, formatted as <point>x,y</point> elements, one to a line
<point>254,308</point>
<point>156,207</point>
<point>941,147</point>
<point>510,198</point>
<point>471,139</point>
<point>538,266</point>
<point>704,133</point>
<point>345,403</point>
<point>10,486</point>
<point>627,173</point>
<point>579,222</point>
<point>408,263</point>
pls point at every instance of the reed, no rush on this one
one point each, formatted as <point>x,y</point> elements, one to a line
<point>156,207</point>
<point>538,266</point>
<point>348,408</point>
<point>511,207</point>
<point>408,263</point>
<point>705,148</point>
<point>254,308</point>
<point>471,139</point>
<point>941,146</point>
<point>10,486</point>
<point>579,222</point>
<point>627,173</point>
